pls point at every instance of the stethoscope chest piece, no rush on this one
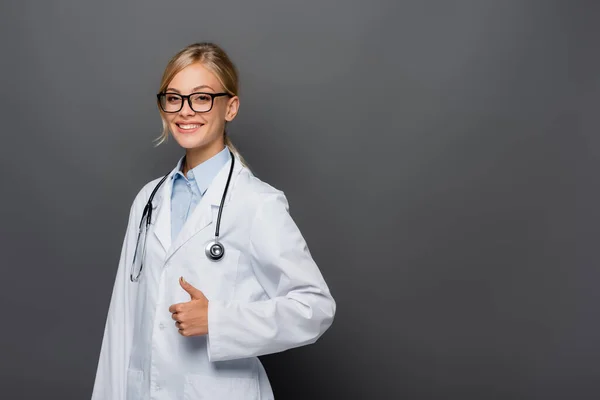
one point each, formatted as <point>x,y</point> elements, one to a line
<point>214,250</point>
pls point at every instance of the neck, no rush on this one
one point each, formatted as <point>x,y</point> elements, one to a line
<point>196,156</point>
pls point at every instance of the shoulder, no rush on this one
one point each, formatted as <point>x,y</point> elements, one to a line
<point>143,194</point>
<point>257,193</point>
<point>268,214</point>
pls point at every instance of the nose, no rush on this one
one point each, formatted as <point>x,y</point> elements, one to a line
<point>186,109</point>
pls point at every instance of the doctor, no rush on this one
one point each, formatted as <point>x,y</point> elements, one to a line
<point>213,270</point>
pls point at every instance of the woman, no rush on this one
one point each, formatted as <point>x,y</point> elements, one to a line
<point>189,315</point>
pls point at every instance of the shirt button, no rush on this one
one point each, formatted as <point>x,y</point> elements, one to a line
<point>161,326</point>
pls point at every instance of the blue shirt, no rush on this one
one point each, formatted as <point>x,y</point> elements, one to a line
<point>188,190</point>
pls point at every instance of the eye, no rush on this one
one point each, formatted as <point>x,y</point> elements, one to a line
<point>172,98</point>
<point>201,98</point>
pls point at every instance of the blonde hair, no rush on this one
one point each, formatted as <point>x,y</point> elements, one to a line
<point>213,58</point>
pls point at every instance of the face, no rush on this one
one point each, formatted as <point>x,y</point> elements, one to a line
<point>200,131</point>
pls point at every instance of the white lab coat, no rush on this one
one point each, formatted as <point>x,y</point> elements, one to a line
<point>265,296</point>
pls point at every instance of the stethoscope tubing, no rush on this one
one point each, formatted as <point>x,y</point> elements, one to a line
<point>214,249</point>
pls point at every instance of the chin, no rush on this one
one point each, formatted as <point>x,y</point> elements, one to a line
<point>200,139</point>
<point>194,141</point>
<point>191,143</point>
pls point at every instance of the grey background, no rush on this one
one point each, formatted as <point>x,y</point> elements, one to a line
<point>440,158</point>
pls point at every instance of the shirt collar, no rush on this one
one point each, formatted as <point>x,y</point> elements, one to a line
<point>205,172</point>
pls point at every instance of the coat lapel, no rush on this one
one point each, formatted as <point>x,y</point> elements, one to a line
<point>162,210</point>
<point>162,224</point>
<point>206,210</point>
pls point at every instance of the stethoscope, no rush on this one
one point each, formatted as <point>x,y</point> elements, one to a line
<point>214,249</point>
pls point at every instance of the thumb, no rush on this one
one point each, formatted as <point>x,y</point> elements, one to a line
<point>194,293</point>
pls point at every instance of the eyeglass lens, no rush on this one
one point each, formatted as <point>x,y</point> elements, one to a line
<point>171,102</point>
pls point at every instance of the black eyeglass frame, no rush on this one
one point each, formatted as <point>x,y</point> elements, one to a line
<point>189,100</point>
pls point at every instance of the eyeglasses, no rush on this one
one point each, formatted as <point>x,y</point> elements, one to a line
<point>199,102</point>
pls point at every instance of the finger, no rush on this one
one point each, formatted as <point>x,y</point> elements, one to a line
<point>188,287</point>
<point>175,308</point>
<point>178,316</point>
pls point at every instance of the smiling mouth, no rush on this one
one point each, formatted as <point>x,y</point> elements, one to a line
<point>189,127</point>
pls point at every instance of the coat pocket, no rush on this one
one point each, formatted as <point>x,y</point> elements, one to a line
<point>134,384</point>
<point>216,279</point>
<point>203,387</point>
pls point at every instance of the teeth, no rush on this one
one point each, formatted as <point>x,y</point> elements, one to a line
<point>193,126</point>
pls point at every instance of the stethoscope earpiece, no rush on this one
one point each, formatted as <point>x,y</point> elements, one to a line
<point>214,250</point>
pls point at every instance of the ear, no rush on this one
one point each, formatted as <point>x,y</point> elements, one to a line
<point>233,106</point>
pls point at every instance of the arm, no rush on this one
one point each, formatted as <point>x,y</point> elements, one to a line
<point>116,344</point>
<point>300,307</point>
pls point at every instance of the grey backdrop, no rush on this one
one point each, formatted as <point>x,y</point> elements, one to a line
<point>440,158</point>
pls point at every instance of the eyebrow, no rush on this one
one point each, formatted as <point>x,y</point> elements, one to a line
<point>193,90</point>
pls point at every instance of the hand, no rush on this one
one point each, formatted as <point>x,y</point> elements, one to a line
<point>192,316</point>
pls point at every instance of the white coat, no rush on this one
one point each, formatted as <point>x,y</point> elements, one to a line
<point>266,295</point>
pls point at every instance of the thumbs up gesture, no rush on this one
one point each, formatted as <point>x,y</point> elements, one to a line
<point>191,317</point>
